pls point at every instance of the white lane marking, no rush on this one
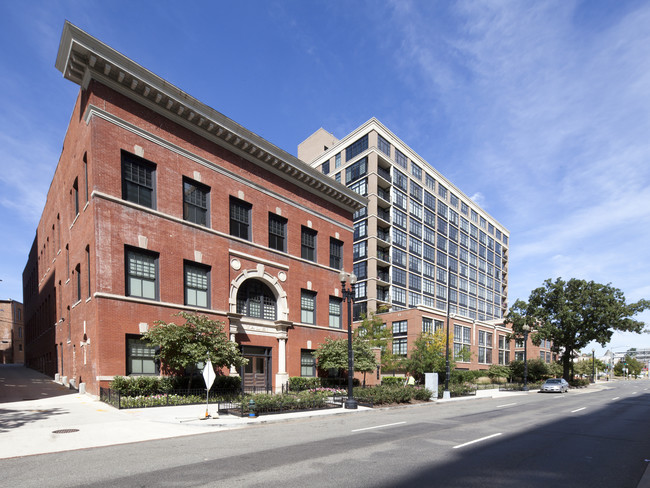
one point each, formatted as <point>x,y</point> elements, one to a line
<point>506,405</point>
<point>634,393</point>
<point>477,440</point>
<point>616,398</point>
<point>574,411</point>
<point>378,426</point>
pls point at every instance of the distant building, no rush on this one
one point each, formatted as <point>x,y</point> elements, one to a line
<point>422,248</point>
<point>159,204</point>
<point>11,332</point>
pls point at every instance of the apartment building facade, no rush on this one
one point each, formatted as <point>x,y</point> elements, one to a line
<point>161,204</point>
<point>422,248</point>
<point>11,332</point>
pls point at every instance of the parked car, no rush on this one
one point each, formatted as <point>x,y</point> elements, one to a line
<point>555,384</point>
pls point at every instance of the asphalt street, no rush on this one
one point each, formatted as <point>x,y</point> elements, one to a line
<point>595,437</point>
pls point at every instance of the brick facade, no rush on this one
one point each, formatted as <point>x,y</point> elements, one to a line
<point>79,308</point>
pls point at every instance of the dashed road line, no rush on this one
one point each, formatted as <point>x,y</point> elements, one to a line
<point>506,405</point>
<point>577,410</point>
<point>477,440</point>
<point>378,426</point>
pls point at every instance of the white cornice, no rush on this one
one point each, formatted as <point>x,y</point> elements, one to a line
<point>82,57</point>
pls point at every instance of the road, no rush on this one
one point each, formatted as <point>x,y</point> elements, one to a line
<point>591,438</point>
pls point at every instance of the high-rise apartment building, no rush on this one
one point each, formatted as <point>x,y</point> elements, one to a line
<point>420,242</point>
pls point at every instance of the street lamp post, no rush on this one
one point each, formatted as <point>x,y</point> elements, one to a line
<point>445,394</point>
<point>593,365</point>
<point>526,328</point>
<point>348,296</point>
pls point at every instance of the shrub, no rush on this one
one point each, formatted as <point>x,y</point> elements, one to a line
<point>385,394</point>
<point>298,383</point>
<point>579,382</point>
<point>392,381</point>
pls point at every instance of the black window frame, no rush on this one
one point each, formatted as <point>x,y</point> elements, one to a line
<point>240,227</point>
<point>130,182</point>
<point>277,232</point>
<point>194,210</point>
<point>154,256</point>
<point>308,243</point>
<point>254,291</point>
<point>191,265</point>
<point>336,253</point>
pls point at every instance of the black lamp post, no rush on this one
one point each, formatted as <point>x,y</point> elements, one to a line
<point>348,295</point>
<point>593,365</point>
<point>445,394</point>
<point>526,328</point>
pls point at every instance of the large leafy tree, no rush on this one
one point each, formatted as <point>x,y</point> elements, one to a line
<point>428,355</point>
<point>631,364</point>
<point>333,354</point>
<point>373,330</point>
<point>574,313</point>
<point>183,347</point>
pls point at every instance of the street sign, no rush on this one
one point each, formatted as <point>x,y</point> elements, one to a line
<point>208,375</point>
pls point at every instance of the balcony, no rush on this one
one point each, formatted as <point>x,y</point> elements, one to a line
<point>383,214</point>
<point>383,194</point>
<point>383,276</point>
<point>383,235</point>
<point>384,255</point>
<point>384,173</point>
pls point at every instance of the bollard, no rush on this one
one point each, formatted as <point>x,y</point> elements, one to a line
<point>251,408</point>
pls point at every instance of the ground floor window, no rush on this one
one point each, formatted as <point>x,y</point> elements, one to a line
<point>307,363</point>
<point>140,357</point>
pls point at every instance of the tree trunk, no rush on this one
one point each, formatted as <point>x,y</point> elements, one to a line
<point>567,365</point>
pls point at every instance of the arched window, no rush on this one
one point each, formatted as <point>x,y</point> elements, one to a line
<point>255,299</point>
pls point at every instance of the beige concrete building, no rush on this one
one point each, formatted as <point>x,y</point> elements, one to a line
<point>421,242</point>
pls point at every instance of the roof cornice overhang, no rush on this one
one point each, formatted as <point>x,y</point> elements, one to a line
<point>82,58</point>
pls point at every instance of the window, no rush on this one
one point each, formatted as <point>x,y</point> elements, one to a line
<point>138,180</point>
<point>360,187</point>
<point>484,347</point>
<point>307,363</point>
<point>197,285</point>
<point>356,148</point>
<point>400,346</point>
<point>88,267</point>
<point>335,312</point>
<point>240,218</point>
<point>400,180</point>
<point>399,296</point>
<point>141,274</point>
<point>427,325</point>
<point>75,197</point>
<point>140,357</point>
<point>416,171</point>
<point>308,307</point>
<point>401,159</point>
<point>360,229</point>
<point>86,175</point>
<point>359,250</point>
<point>384,145</point>
<point>325,167</point>
<point>277,232</point>
<point>430,182</point>
<point>462,341</point>
<point>400,327</point>
<point>416,191</point>
<point>360,290</point>
<point>360,269</point>
<point>196,198</point>
<point>337,162</point>
<point>442,191</point>
<point>77,271</point>
<point>336,253</point>
<point>356,170</point>
<point>255,299</point>
<point>308,243</point>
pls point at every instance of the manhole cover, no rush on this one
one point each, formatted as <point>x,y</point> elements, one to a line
<point>65,431</point>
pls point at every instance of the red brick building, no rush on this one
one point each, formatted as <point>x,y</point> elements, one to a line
<point>486,341</point>
<point>11,332</point>
<point>159,204</point>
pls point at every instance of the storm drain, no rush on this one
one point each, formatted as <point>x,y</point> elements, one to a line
<point>65,431</point>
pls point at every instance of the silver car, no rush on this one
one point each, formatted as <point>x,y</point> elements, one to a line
<point>555,385</point>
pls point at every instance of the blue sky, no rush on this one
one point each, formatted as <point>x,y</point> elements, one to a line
<point>539,111</point>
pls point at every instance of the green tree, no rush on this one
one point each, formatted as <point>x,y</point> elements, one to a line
<point>183,347</point>
<point>427,355</point>
<point>497,371</point>
<point>373,330</point>
<point>537,370</point>
<point>633,365</point>
<point>333,354</point>
<point>574,313</point>
<point>589,366</point>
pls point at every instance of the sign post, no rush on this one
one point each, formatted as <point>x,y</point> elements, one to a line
<point>209,377</point>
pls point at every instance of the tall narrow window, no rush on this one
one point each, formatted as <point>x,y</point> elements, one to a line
<point>86,175</point>
<point>336,253</point>
<point>196,200</point>
<point>240,218</point>
<point>77,271</point>
<point>308,307</point>
<point>307,363</point>
<point>308,243</point>
<point>335,312</point>
<point>277,232</point>
<point>141,274</point>
<point>197,285</point>
<point>75,196</point>
<point>140,357</point>
<point>88,267</point>
<point>138,180</point>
